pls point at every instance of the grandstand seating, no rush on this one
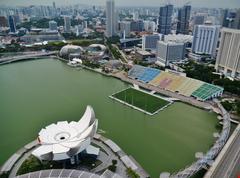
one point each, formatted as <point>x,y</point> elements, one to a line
<point>207,91</point>
<point>144,74</point>
<point>159,78</point>
<point>136,71</point>
<point>188,86</point>
<point>175,83</point>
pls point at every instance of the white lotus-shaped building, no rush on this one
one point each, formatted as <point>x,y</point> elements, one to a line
<point>64,140</point>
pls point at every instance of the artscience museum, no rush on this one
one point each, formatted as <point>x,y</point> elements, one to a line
<point>64,140</point>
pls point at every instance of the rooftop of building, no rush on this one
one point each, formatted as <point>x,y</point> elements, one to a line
<point>230,30</point>
<point>142,52</point>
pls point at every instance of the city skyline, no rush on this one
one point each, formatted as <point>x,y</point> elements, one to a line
<point>150,3</point>
<point>162,75</point>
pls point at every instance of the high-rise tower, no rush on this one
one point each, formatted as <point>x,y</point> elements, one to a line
<point>183,19</point>
<point>165,19</point>
<point>110,18</point>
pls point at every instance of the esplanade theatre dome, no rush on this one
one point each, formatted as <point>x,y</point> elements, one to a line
<point>70,49</point>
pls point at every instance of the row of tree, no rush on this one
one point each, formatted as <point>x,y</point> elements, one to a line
<point>206,73</point>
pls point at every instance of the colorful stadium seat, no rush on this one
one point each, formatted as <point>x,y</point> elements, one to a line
<point>175,83</point>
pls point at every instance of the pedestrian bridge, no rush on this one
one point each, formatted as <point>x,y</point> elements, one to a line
<point>11,59</point>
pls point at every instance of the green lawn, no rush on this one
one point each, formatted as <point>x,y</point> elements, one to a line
<point>141,100</point>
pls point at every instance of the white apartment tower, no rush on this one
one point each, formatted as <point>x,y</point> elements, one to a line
<point>205,38</point>
<point>228,57</point>
<point>170,52</point>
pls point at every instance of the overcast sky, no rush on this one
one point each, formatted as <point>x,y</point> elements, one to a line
<point>194,3</point>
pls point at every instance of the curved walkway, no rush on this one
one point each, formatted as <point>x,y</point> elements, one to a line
<point>23,157</point>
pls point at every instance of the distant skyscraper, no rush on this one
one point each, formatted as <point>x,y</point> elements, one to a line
<point>205,38</point>
<point>110,18</point>
<point>168,52</point>
<point>3,21</point>
<point>79,29</point>
<point>198,19</point>
<point>183,20</point>
<point>85,24</point>
<point>54,5</point>
<point>125,28</point>
<point>135,15</point>
<point>236,23</point>
<point>12,24</point>
<point>149,26</point>
<point>224,16</point>
<point>137,26</point>
<point>150,41</point>
<point>116,21</point>
<point>228,60</point>
<point>165,19</point>
<point>52,25</point>
<point>67,24</point>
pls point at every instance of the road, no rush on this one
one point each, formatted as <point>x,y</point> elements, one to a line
<point>122,53</point>
<point>228,166</point>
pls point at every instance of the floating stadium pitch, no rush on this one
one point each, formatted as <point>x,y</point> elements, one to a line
<point>141,100</point>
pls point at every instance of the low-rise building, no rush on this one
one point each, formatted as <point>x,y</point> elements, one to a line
<point>143,55</point>
<point>41,35</point>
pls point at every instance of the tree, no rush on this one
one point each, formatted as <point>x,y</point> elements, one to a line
<point>114,162</point>
<point>112,168</point>
<point>131,173</point>
<point>227,105</point>
<point>238,107</point>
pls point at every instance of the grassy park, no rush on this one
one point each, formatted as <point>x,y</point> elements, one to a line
<point>141,100</point>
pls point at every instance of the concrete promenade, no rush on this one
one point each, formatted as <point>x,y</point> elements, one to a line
<point>111,152</point>
<point>128,161</point>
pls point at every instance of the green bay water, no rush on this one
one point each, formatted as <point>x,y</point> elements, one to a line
<point>34,94</point>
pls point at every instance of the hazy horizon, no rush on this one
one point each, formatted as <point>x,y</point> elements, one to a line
<point>152,3</point>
